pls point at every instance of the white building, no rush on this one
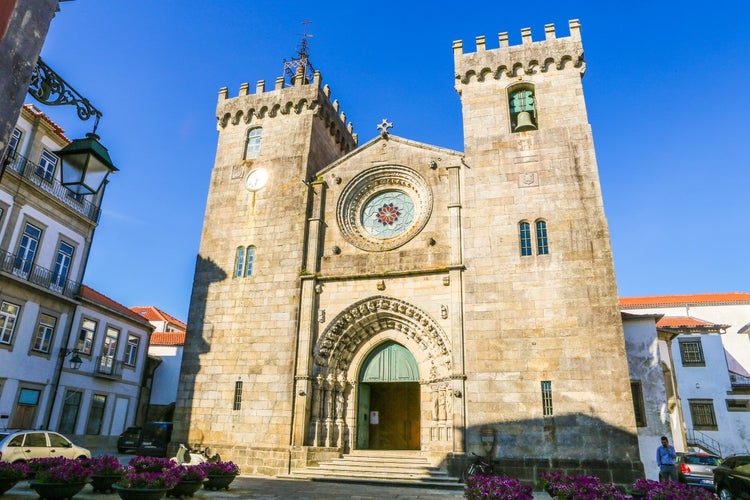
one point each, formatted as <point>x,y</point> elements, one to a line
<point>704,342</point>
<point>165,350</point>
<point>48,320</point>
<point>652,387</point>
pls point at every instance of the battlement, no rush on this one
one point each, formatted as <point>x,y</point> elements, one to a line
<point>526,58</point>
<point>302,96</point>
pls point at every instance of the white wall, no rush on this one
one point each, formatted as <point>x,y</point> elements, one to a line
<point>645,365</point>
<point>167,375</point>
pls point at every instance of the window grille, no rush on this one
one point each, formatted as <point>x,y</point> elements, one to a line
<point>692,353</point>
<point>639,406</point>
<point>547,398</point>
<point>524,229</point>
<point>238,395</point>
<point>542,247</point>
<point>702,414</point>
<point>252,150</point>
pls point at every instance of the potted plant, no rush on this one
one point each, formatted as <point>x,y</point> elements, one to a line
<point>61,481</point>
<point>480,487</point>
<point>106,470</point>
<point>145,485</point>
<point>10,474</point>
<point>189,480</point>
<point>41,464</point>
<point>146,478</point>
<point>219,474</point>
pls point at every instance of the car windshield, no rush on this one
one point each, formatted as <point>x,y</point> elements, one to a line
<point>701,460</point>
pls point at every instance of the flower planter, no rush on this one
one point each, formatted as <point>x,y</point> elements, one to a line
<point>218,482</point>
<point>185,489</point>
<point>56,491</point>
<point>6,484</point>
<point>139,493</point>
<point>104,482</point>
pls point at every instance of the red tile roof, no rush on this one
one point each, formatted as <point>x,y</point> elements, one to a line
<point>92,295</point>
<point>682,322</point>
<point>168,338</point>
<point>679,300</point>
<point>152,313</point>
<point>40,114</point>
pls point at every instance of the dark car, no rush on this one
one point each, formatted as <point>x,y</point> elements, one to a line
<point>155,436</point>
<point>732,478</point>
<point>697,469</point>
<point>129,440</point>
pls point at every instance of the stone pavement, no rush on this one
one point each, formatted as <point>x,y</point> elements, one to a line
<point>282,489</point>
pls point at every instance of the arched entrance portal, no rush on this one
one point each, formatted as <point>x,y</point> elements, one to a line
<point>388,400</point>
<point>386,355</point>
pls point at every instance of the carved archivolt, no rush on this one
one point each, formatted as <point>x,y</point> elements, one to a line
<point>362,321</point>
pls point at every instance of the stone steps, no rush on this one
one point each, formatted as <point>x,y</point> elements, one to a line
<point>391,467</point>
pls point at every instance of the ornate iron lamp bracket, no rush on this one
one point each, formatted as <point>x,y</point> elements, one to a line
<point>49,88</point>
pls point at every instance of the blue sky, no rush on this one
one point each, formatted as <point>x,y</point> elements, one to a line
<point>666,88</point>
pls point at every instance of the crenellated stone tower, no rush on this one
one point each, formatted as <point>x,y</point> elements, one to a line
<point>546,367</point>
<point>404,297</point>
<point>244,312</point>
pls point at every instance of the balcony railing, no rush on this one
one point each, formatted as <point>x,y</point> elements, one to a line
<point>697,438</point>
<point>35,174</point>
<point>25,270</point>
<point>108,367</point>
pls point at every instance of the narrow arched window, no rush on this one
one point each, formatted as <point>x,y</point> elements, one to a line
<point>522,107</point>
<point>524,233</point>
<point>249,261</point>
<point>239,262</point>
<point>252,148</point>
<point>542,245</point>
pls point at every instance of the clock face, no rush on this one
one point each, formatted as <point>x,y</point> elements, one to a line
<point>256,179</point>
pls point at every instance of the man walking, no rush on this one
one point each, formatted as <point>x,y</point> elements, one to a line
<point>665,457</point>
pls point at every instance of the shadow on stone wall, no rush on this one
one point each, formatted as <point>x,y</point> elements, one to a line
<point>575,443</point>
<point>197,342</point>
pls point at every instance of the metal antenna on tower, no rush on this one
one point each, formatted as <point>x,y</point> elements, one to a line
<point>301,64</point>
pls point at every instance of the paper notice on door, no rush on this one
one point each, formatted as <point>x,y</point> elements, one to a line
<point>374,418</point>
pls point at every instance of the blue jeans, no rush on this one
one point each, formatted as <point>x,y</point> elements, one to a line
<point>667,473</point>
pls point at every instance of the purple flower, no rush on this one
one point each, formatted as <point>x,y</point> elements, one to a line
<point>655,490</point>
<point>151,464</point>
<point>11,471</point>
<point>164,479</point>
<point>497,488</point>
<point>70,471</point>
<point>105,465</point>
<point>220,468</point>
<point>190,473</point>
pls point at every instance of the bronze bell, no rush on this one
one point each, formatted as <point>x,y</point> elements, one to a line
<point>523,122</point>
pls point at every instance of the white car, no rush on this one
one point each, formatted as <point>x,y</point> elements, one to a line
<point>20,446</point>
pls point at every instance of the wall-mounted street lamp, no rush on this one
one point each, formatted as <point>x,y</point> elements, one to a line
<point>85,162</point>
<point>75,359</point>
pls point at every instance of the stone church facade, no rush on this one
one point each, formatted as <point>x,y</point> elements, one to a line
<point>400,296</point>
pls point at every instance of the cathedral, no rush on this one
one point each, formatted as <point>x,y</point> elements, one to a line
<point>403,297</point>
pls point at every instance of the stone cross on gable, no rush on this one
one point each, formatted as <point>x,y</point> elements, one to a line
<point>383,127</point>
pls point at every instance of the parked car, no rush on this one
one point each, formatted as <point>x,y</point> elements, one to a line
<point>155,436</point>
<point>697,469</point>
<point>732,478</point>
<point>20,446</point>
<point>129,440</point>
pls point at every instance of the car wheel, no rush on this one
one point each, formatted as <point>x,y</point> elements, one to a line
<point>725,495</point>
<point>82,457</point>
